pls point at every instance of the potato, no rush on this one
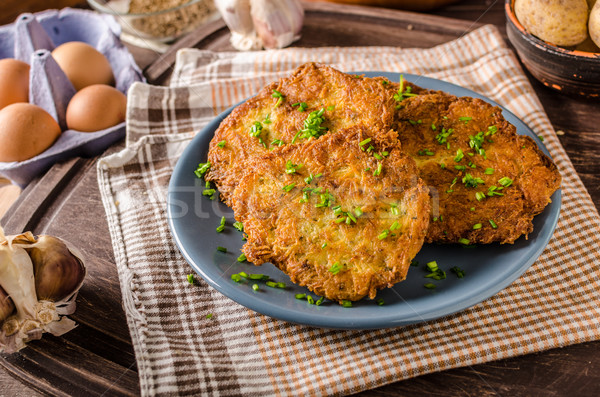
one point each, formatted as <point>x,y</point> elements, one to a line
<point>560,22</point>
<point>594,24</point>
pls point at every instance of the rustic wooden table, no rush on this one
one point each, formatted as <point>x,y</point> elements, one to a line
<point>97,358</point>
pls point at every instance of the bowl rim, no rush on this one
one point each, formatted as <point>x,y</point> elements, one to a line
<point>103,7</point>
<point>509,9</point>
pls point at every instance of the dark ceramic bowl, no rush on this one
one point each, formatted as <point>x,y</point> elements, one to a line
<point>568,71</point>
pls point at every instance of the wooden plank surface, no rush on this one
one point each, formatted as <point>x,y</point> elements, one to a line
<point>97,357</point>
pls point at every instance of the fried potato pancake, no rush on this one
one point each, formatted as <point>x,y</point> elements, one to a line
<point>487,182</point>
<point>333,216</point>
<point>314,100</point>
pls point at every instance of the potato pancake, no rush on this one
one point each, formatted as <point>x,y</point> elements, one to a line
<point>487,183</point>
<point>314,100</point>
<point>342,215</point>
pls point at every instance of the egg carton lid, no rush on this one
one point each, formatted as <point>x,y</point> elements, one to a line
<point>31,38</point>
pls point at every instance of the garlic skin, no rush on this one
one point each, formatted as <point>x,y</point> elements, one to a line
<point>7,306</point>
<point>55,260</point>
<point>255,24</point>
<point>277,22</point>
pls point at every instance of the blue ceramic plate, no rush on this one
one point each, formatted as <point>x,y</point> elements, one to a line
<point>490,268</point>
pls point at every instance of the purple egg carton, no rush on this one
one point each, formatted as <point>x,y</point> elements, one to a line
<point>31,38</point>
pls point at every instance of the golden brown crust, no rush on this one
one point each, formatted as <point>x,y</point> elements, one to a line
<point>290,229</point>
<point>433,129</point>
<point>347,101</point>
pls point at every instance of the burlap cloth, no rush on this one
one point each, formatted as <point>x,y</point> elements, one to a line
<point>239,352</point>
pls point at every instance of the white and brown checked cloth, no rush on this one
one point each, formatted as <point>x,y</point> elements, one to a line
<point>239,352</point>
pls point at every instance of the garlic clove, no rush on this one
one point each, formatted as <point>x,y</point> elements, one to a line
<point>58,273</point>
<point>236,14</point>
<point>277,22</point>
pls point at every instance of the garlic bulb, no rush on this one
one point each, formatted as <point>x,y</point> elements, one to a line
<point>40,278</point>
<point>262,23</point>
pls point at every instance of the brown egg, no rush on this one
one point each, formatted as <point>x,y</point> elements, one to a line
<point>14,81</point>
<point>83,64</point>
<point>26,130</point>
<point>95,108</point>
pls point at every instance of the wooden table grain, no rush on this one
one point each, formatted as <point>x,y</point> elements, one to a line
<point>97,358</point>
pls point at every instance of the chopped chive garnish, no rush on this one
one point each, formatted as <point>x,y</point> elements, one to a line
<point>290,168</point>
<point>335,268</point>
<point>443,166</point>
<point>208,192</point>
<point>323,245</point>
<point>346,303</point>
<point>358,211</point>
<point>289,187</point>
<point>494,191</point>
<point>378,170</point>
<point>236,277</point>
<point>363,143</point>
<point>267,119</point>
<point>255,287</point>
<point>202,169</point>
<point>380,302</point>
<point>221,227</point>
<point>257,276</point>
<point>394,226</point>
<point>494,226</point>
<point>222,249</point>
<point>241,258</point>
<point>209,315</point>
<point>383,234</point>
<point>458,271</point>
<point>271,284</point>
<point>330,108</point>
<point>464,241</point>
<point>377,156</point>
<point>222,144</point>
<point>425,152</point>
<point>429,286</point>
<point>459,155</point>
<point>489,171</point>
<point>190,278</point>
<point>321,299</point>
<point>243,274</point>
<point>239,226</point>
<point>432,266</point>
<point>460,167</point>
<point>465,119</point>
<point>310,299</point>
<point>312,126</point>
<point>471,181</point>
<point>300,296</point>
<point>301,106</point>
<point>492,129</point>
<point>477,226</point>
<point>277,142</point>
<point>433,127</point>
<point>442,137</point>
<point>505,181</point>
<point>279,96</point>
<point>256,129</point>
<point>479,196</point>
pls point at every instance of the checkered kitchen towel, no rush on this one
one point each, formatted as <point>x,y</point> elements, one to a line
<point>240,352</point>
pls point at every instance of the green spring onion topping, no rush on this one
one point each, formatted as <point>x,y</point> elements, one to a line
<point>255,287</point>
<point>222,144</point>
<point>300,296</point>
<point>202,169</point>
<point>221,227</point>
<point>312,126</point>
<point>301,106</point>
<point>459,155</point>
<point>494,226</point>
<point>289,187</point>
<point>335,268</point>
<point>505,181</point>
<point>494,191</point>
<point>236,277</point>
<point>442,137</point>
<point>465,119</point>
<point>346,303</point>
<point>241,258</point>
<point>256,129</point>
<point>477,226</point>
<point>479,196</point>
<point>492,129</point>
<point>403,92</point>
<point>363,143</point>
<point>209,315</point>
<point>277,142</point>
<point>221,249</point>
<point>321,299</point>
<point>489,171</point>
<point>190,278</point>
<point>279,96</point>
<point>378,170</point>
<point>383,234</point>
<point>464,241</point>
<point>380,302</point>
<point>310,299</point>
<point>239,226</point>
<point>471,181</point>
<point>425,152</point>
<point>458,271</point>
<point>429,286</point>
<point>291,168</point>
